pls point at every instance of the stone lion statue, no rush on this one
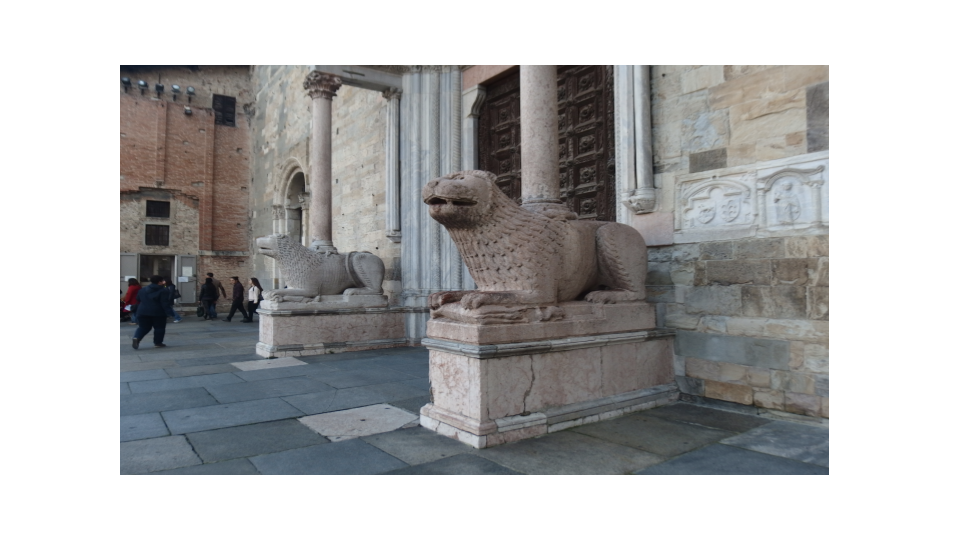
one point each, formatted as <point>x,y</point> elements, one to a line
<point>310,274</point>
<point>518,256</point>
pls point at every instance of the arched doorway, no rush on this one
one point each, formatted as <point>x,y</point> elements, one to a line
<point>296,206</point>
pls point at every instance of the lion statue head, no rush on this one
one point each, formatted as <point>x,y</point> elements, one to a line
<point>463,199</point>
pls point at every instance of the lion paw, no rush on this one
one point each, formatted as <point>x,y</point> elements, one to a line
<point>473,300</point>
<point>437,299</point>
<point>612,297</point>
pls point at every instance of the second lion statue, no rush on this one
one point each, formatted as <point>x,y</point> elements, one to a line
<point>310,274</point>
<point>521,257</point>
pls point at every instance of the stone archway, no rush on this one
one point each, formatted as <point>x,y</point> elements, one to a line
<point>291,202</point>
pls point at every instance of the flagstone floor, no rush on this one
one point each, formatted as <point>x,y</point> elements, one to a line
<point>207,404</point>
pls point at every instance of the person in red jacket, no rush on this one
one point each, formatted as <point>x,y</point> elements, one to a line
<point>133,287</point>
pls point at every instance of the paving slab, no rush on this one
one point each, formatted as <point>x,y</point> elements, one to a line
<point>418,445</point>
<point>145,366</point>
<point>248,391</point>
<point>252,440</point>
<point>413,404</point>
<point>268,363</point>
<point>719,459</point>
<point>362,421</point>
<point>207,360</point>
<point>566,452</point>
<point>229,415</point>
<point>139,457</point>
<point>419,371</point>
<point>165,401</point>
<point>360,377</point>
<point>142,426</point>
<point>124,389</point>
<point>234,466</point>
<point>283,372</point>
<point>809,444</point>
<point>655,435</point>
<point>190,371</point>
<point>350,398</point>
<point>705,416</point>
<point>143,375</point>
<point>348,457</point>
<point>419,384</point>
<point>462,464</point>
<point>184,382</point>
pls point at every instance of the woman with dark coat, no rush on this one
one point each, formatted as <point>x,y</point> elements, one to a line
<point>208,298</point>
<point>152,302</point>
<point>133,288</point>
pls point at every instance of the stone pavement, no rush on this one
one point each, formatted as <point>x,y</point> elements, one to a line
<point>207,404</point>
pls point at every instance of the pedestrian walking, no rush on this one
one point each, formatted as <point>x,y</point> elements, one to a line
<point>237,300</point>
<point>152,302</point>
<point>216,283</point>
<point>254,296</point>
<point>208,298</point>
<point>133,288</point>
<point>174,294</point>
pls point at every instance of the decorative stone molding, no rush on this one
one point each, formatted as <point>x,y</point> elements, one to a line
<point>278,211</point>
<point>304,199</point>
<point>321,85</point>
<point>634,140</point>
<point>641,201</point>
<point>774,198</point>
<point>392,93</point>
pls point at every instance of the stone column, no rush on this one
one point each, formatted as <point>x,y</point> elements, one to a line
<point>540,158</point>
<point>392,168</point>
<point>321,87</point>
<point>304,199</point>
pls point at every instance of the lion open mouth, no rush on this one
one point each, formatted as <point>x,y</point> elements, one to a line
<point>439,201</point>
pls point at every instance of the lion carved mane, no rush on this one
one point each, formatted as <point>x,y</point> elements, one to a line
<point>310,274</point>
<point>522,257</point>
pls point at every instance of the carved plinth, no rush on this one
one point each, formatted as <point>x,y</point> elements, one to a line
<point>329,326</point>
<point>493,384</point>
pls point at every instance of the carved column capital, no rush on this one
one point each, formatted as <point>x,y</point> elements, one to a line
<point>641,200</point>
<point>304,199</point>
<point>278,211</point>
<point>321,85</point>
<point>392,93</point>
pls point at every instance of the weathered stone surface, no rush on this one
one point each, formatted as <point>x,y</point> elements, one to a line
<point>789,329</point>
<point>700,78</point>
<point>802,404</point>
<point>715,251</point>
<point>737,350</point>
<point>702,369</point>
<point>714,324</point>
<point>794,271</point>
<point>750,376</point>
<point>806,246</point>
<point>563,378</point>
<point>759,248</point>
<point>822,276</point>
<point>816,358</point>
<point>745,129</point>
<point>508,380</point>
<point>689,385</point>
<point>708,160</point>
<point>818,117</point>
<point>732,72</point>
<point>818,303</point>
<point>792,381</point>
<point>825,407</point>
<point>704,131</point>
<point>675,253</point>
<point>676,317</point>
<point>452,378</point>
<point>715,300</point>
<point>768,399</point>
<point>741,89</point>
<point>752,272</point>
<point>801,76</point>
<point>728,392</point>
<point>822,385</point>
<point>775,302</point>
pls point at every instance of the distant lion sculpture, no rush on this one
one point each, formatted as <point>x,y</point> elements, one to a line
<point>310,274</point>
<point>518,256</point>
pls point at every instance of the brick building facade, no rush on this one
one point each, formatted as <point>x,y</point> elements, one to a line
<point>184,173</point>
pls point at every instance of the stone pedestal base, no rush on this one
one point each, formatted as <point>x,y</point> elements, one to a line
<point>336,324</point>
<point>487,391</point>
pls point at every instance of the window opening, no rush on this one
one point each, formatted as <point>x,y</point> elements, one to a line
<point>225,110</point>
<point>157,235</point>
<point>158,209</point>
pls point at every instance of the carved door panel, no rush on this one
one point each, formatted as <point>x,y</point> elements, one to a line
<point>585,131</point>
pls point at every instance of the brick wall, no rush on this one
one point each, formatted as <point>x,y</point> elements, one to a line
<point>749,297</point>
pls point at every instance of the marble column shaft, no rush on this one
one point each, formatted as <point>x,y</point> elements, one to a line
<point>539,159</point>
<point>321,87</point>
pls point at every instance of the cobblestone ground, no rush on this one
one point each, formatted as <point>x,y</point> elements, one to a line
<point>207,404</point>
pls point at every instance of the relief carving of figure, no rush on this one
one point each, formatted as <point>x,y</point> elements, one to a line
<point>310,274</point>
<point>521,257</point>
<point>787,203</point>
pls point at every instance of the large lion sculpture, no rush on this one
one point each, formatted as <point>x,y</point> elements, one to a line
<point>518,256</point>
<point>310,274</point>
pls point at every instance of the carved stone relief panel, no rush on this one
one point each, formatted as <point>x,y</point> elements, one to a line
<point>775,198</point>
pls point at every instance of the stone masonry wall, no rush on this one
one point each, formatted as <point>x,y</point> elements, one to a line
<point>749,296</point>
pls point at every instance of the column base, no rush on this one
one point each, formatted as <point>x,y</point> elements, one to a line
<point>487,391</point>
<point>354,323</point>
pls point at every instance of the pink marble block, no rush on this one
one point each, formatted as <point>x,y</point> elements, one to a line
<point>359,329</point>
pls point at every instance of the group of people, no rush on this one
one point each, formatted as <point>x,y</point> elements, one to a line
<point>148,307</point>
<point>210,293</point>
